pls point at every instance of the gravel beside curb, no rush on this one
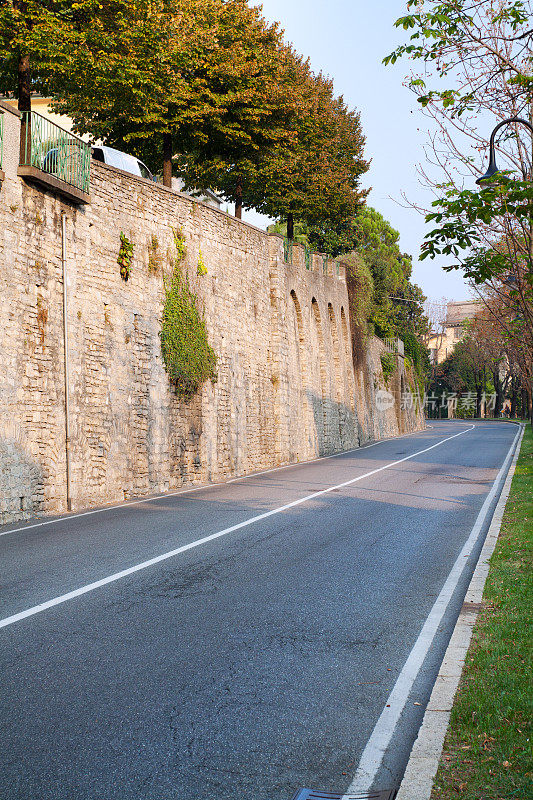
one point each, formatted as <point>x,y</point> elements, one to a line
<point>423,763</point>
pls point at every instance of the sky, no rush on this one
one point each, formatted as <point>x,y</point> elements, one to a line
<point>347,40</point>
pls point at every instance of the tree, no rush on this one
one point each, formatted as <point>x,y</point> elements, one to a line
<point>378,246</point>
<point>464,371</point>
<point>397,304</point>
<point>30,32</point>
<point>158,77</point>
<point>259,110</point>
<point>500,332</point>
<point>477,60</point>
<point>207,81</point>
<point>314,175</point>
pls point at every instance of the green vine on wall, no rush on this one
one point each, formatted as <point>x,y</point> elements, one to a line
<point>179,243</point>
<point>388,364</point>
<point>125,256</point>
<point>188,357</point>
<point>201,269</point>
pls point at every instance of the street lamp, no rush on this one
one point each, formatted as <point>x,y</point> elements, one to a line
<point>492,168</point>
<point>511,279</point>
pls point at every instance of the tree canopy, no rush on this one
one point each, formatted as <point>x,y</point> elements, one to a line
<point>398,303</point>
<point>476,70</point>
<point>207,87</point>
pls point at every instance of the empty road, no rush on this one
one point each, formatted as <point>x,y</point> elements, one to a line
<point>241,641</point>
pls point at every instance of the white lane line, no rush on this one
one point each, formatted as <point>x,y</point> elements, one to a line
<point>30,612</point>
<point>153,498</point>
<point>383,732</point>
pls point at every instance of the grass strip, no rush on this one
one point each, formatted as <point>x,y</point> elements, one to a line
<point>487,752</point>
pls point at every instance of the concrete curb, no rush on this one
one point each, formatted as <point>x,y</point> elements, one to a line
<point>417,783</point>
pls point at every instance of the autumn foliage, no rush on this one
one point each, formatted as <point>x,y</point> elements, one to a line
<point>207,90</point>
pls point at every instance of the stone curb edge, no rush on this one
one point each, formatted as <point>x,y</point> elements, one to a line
<point>417,783</point>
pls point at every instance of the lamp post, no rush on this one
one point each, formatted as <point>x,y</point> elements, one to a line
<point>492,168</point>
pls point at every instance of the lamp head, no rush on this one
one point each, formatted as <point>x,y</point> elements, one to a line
<point>491,171</point>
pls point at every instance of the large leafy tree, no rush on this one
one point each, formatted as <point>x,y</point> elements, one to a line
<point>378,246</point>
<point>164,76</point>
<point>156,77</point>
<point>31,33</point>
<point>314,176</point>
<point>476,70</point>
<point>259,116</point>
<point>465,371</point>
<point>207,82</point>
<point>397,307</point>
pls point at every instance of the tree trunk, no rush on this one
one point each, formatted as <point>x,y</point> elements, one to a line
<point>290,226</point>
<point>24,83</point>
<point>525,404</point>
<point>514,400</point>
<point>479,395</point>
<point>24,104</point>
<point>238,199</point>
<point>499,393</point>
<point>167,160</point>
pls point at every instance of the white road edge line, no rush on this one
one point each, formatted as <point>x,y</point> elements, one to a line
<point>427,749</point>
<point>376,747</point>
<point>30,612</point>
<point>165,495</point>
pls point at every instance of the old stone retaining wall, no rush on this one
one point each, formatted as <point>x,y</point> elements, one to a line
<point>286,387</point>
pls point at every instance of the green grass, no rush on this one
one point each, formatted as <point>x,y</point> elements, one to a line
<point>487,753</point>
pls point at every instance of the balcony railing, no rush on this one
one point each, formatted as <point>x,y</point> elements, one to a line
<point>394,346</point>
<point>287,250</point>
<point>48,150</point>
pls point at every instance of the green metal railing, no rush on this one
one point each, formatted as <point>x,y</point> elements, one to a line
<point>52,149</point>
<point>287,250</point>
<point>325,260</point>
<point>1,139</point>
<point>308,255</point>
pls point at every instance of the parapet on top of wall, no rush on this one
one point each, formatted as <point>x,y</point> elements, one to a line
<point>302,257</point>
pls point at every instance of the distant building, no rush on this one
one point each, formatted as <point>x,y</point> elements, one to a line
<point>209,198</point>
<point>41,105</point>
<point>443,342</point>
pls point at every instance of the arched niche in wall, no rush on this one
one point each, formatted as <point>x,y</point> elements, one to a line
<point>302,345</point>
<point>319,402</point>
<point>337,354</point>
<point>348,358</point>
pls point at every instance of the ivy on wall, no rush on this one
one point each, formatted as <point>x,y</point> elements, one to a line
<point>201,268</point>
<point>125,256</point>
<point>388,364</point>
<point>179,243</point>
<point>188,357</point>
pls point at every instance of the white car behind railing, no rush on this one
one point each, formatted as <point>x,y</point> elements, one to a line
<point>116,158</point>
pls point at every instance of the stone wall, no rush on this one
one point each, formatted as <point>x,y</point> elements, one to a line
<point>286,388</point>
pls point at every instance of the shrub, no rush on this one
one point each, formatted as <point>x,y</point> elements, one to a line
<point>125,256</point>
<point>188,357</point>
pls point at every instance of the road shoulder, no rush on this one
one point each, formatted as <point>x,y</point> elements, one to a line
<point>426,753</point>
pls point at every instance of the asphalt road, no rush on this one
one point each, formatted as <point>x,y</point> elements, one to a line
<point>251,664</point>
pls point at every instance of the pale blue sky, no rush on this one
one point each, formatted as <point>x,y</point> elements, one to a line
<point>347,39</point>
